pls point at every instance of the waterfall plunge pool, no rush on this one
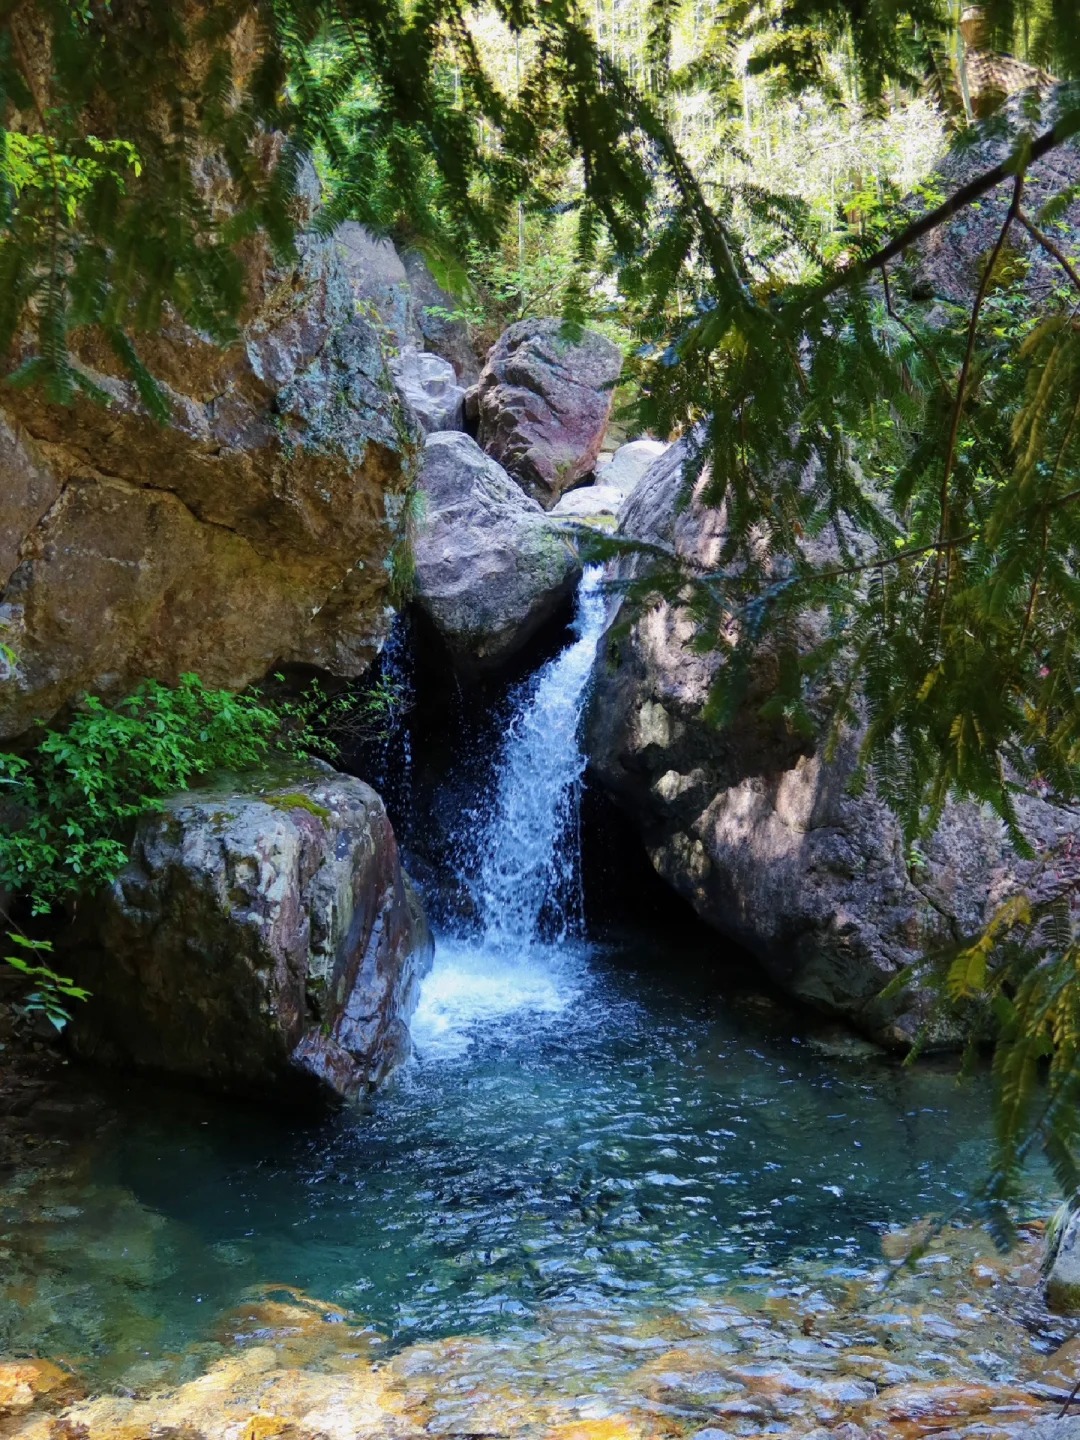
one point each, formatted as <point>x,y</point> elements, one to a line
<point>598,1174</point>
<point>583,1132</point>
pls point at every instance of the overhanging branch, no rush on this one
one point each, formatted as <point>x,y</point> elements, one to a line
<point>959,200</point>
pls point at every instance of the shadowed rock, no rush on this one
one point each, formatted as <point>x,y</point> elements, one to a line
<point>757,827</point>
<point>261,939</point>
<point>437,318</point>
<point>252,530</point>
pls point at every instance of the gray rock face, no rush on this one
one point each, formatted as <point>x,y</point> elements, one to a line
<point>490,565</point>
<point>428,385</point>
<point>1063,1276</point>
<point>252,531</point>
<point>948,263</point>
<point>544,404</point>
<point>756,828</point>
<point>379,284</point>
<point>260,940</point>
<point>434,315</point>
<point>1057,1428</point>
<point>590,504</point>
<point>629,464</point>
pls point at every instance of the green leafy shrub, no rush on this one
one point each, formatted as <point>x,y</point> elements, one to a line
<point>78,791</point>
<point>50,990</point>
<point>77,794</point>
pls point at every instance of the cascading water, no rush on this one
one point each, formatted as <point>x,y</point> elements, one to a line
<point>530,871</point>
<point>526,859</point>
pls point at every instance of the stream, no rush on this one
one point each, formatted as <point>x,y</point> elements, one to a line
<point>603,1190</point>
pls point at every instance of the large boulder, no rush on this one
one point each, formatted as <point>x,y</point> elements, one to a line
<point>491,567</point>
<point>379,284</point>
<point>544,402</point>
<point>756,826</point>
<point>1063,1264</point>
<point>252,530</point>
<point>948,263</point>
<point>429,387</point>
<point>596,505</point>
<point>258,939</point>
<point>396,290</point>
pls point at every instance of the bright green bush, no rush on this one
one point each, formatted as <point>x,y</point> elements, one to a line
<point>76,794</point>
<point>49,991</point>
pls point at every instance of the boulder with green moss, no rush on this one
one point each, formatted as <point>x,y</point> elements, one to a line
<point>261,938</point>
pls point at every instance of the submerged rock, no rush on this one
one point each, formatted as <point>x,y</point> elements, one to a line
<point>756,826</point>
<point>259,939</point>
<point>491,567</point>
<point>544,402</point>
<point>429,387</point>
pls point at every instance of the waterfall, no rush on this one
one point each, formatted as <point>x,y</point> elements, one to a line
<point>392,773</point>
<point>525,861</point>
<point>529,847</point>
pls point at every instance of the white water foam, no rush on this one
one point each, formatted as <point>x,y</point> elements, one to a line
<point>470,988</point>
<point>521,965</point>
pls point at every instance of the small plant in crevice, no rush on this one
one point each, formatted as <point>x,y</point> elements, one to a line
<point>50,992</point>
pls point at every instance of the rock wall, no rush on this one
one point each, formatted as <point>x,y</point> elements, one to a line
<point>757,828</point>
<point>254,530</point>
<point>261,939</point>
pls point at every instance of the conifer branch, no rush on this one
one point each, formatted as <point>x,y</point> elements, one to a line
<point>1050,247</point>
<point>959,200</point>
<point>965,370</point>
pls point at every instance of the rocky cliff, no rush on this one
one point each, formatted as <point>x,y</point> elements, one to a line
<point>757,827</point>
<point>258,528</point>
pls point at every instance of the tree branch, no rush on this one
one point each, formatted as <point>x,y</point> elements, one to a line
<point>965,369</point>
<point>959,200</point>
<point>1050,247</point>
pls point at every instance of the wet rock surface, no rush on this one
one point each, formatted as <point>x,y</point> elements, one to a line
<point>544,402</point>
<point>491,567</point>
<point>758,829</point>
<point>947,1351</point>
<point>259,940</point>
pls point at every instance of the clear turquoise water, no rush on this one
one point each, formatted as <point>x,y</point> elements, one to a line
<point>584,1131</point>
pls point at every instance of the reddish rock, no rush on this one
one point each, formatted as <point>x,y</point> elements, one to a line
<point>544,403</point>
